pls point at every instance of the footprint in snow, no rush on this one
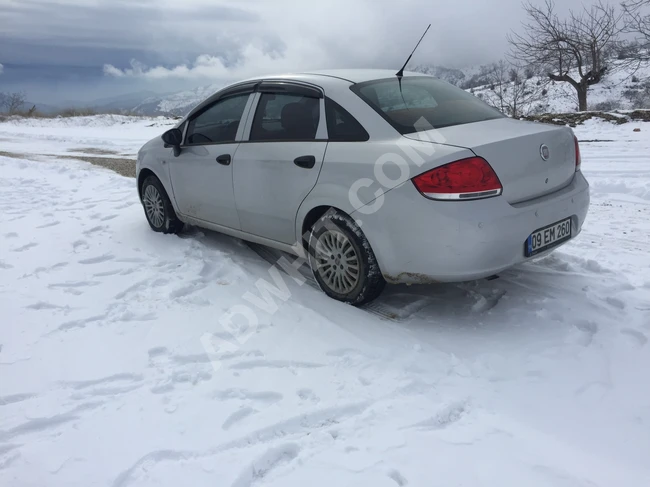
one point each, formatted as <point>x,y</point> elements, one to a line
<point>123,377</point>
<point>307,395</point>
<point>445,417</point>
<point>237,416</point>
<point>399,479</point>
<point>97,260</point>
<point>95,230</point>
<point>70,325</point>
<point>43,306</point>
<point>25,247</point>
<point>615,302</point>
<point>77,244</point>
<point>265,397</point>
<point>48,225</point>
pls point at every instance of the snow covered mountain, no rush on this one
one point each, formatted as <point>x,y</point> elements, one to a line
<point>176,103</point>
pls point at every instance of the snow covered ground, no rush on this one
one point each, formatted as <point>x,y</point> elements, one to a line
<point>539,378</point>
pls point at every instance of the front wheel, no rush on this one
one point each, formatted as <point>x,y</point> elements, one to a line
<point>342,260</point>
<point>158,208</point>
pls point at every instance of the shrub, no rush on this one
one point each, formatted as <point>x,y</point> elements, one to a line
<point>639,97</point>
<point>607,106</point>
<point>76,112</point>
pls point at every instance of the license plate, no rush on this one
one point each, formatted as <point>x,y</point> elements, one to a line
<point>548,237</point>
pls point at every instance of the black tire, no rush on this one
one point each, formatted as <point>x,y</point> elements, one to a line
<point>164,218</point>
<point>334,270</point>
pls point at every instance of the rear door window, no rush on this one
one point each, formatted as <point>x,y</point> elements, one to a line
<point>285,117</point>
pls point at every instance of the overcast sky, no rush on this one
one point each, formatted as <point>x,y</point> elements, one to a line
<point>86,49</point>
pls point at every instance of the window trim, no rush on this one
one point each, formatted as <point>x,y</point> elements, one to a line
<point>289,88</point>
<point>356,89</point>
<point>204,109</point>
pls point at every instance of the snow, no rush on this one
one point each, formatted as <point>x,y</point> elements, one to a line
<point>119,365</point>
<point>117,135</point>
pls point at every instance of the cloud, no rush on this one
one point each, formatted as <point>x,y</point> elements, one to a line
<point>204,66</point>
<point>2,68</point>
<point>251,61</point>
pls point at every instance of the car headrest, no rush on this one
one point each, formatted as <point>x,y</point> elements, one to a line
<point>296,117</point>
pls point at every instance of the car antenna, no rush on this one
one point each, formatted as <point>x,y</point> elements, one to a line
<point>400,73</point>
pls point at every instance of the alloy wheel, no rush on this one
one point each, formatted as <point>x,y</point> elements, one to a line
<point>337,261</point>
<point>154,206</point>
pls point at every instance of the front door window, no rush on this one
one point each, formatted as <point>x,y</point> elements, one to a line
<point>218,123</point>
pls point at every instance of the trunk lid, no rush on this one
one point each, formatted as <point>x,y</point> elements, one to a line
<point>514,150</point>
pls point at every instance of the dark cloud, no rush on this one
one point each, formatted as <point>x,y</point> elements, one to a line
<point>191,42</point>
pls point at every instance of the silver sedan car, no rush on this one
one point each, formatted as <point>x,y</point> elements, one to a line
<point>372,178</point>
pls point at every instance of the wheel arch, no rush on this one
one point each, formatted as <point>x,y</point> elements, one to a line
<point>312,216</point>
<point>144,174</point>
<point>369,281</point>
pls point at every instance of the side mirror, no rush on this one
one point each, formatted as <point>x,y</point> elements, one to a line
<point>173,137</point>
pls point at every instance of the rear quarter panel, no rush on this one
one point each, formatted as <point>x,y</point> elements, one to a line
<point>356,175</point>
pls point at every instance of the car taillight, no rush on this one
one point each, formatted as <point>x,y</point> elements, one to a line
<point>578,158</point>
<point>467,179</point>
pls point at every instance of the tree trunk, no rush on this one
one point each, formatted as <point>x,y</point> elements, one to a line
<point>582,98</point>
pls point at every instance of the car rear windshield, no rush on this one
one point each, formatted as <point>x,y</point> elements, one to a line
<point>420,103</point>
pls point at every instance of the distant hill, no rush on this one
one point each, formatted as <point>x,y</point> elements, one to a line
<point>176,103</point>
<point>123,102</point>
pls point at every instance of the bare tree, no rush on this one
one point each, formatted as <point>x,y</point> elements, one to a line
<point>572,50</point>
<point>637,17</point>
<point>12,102</point>
<point>513,90</point>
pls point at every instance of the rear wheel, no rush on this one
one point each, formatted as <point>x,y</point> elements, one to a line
<point>158,208</point>
<point>342,260</point>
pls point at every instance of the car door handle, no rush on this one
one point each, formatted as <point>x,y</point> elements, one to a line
<point>305,161</point>
<point>224,159</point>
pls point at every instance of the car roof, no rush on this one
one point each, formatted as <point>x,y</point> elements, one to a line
<point>349,75</point>
<point>360,75</point>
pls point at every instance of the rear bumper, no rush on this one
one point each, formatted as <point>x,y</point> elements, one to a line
<point>417,240</point>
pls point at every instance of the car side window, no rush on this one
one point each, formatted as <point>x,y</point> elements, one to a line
<point>341,126</point>
<point>218,123</point>
<point>285,117</point>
